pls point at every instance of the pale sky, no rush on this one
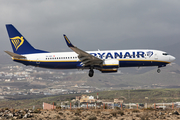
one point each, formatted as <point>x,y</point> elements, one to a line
<point>92,24</point>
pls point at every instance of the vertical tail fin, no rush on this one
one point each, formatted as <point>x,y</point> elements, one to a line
<point>19,44</point>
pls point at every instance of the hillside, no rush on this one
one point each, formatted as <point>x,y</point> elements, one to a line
<point>132,96</point>
<point>126,78</point>
<point>169,76</point>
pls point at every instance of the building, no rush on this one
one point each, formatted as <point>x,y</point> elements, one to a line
<point>116,100</point>
<point>78,98</point>
<point>87,99</point>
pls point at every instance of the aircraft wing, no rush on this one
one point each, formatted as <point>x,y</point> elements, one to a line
<point>86,58</point>
<point>14,55</point>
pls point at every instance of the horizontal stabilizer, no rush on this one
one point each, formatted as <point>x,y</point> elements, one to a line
<point>14,55</point>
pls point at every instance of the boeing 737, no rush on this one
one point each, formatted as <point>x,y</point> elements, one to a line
<point>105,61</point>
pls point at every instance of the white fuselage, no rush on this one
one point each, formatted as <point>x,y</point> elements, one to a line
<point>126,58</point>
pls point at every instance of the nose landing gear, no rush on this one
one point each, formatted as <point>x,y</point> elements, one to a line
<point>158,70</point>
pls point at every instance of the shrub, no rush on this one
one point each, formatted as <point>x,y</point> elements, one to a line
<point>37,111</point>
<point>92,118</point>
<point>97,111</point>
<point>57,117</point>
<point>6,109</point>
<point>120,112</point>
<point>150,108</point>
<point>114,113</point>
<point>137,115</point>
<point>136,111</point>
<point>58,107</point>
<point>60,113</point>
<point>145,116</point>
<point>77,112</point>
<point>76,118</point>
<point>106,106</point>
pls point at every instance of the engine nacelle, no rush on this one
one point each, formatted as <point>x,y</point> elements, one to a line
<point>110,66</point>
<point>109,70</point>
<point>111,63</point>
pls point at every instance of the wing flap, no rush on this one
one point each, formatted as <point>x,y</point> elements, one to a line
<point>86,61</point>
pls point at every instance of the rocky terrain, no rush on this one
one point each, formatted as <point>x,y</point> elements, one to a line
<point>92,114</point>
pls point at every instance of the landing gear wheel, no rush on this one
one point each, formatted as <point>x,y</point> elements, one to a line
<point>158,70</point>
<point>91,72</point>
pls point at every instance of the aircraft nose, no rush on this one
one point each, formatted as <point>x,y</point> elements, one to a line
<point>172,58</point>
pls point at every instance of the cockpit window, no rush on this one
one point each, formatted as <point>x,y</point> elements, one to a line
<point>165,53</point>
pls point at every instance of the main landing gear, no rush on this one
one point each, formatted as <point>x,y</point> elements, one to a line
<point>91,72</point>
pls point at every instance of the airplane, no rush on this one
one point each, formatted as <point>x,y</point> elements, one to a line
<point>106,61</point>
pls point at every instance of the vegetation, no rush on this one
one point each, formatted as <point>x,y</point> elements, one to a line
<point>145,116</point>
<point>92,117</point>
<point>133,96</point>
<point>138,96</point>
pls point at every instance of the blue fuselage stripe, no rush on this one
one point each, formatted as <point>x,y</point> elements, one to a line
<point>75,65</point>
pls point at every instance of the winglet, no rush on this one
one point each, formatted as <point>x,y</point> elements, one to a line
<point>67,41</point>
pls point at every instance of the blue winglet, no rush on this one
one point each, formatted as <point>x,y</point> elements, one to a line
<point>67,41</point>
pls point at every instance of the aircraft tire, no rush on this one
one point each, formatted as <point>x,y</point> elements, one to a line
<point>91,72</point>
<point>158,70</point>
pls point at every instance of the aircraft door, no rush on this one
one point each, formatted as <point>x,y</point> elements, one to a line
<point>156,56</point>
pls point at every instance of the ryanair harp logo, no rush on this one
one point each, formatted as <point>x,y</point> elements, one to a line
<point>149,53</point>
<point>17,41</point>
